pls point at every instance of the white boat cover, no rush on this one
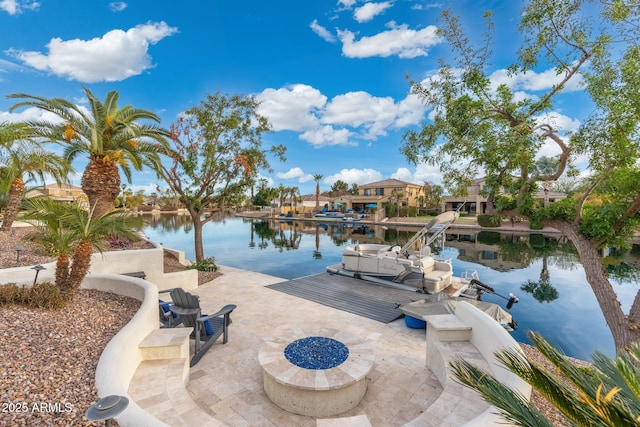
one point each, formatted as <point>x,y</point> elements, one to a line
<point>441,303</point>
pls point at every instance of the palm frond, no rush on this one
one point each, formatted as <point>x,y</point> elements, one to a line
<point>512,405</point>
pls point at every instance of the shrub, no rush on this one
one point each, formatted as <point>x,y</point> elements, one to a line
<point>489,220</point>
<point>207,264</point>
<point>41,295</point>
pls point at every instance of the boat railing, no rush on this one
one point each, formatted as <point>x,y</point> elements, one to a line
<point>470,275</point>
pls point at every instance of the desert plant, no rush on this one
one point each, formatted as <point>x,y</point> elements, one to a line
<point>608,395</point>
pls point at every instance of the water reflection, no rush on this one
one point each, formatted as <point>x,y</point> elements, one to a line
<point>543,270</point>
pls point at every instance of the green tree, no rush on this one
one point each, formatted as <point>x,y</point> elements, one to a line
<point>217,153</point>
<point>294,192</point>
<point>317,178</point>
<point>476,126</point>
<point>265,196</point>
<point>22,158</point>
<point>606,396</point>
<point>283,192</point>
<point>72,233</point>
<point>109,135</point>
<point>353,190</point>
<point>339,188</point>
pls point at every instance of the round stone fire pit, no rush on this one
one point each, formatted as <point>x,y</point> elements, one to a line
<point>317,372</point>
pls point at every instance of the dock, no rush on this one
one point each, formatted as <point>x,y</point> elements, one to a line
<point>364,298</point>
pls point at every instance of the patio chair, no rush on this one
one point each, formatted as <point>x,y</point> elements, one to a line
<point>206,328</point>
<point>168,319</point>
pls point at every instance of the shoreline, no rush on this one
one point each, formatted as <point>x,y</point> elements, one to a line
<point>463,223</point>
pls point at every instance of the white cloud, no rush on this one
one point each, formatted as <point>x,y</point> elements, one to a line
<point>423,172</point>
<point>117,6</point>
<point>533,81</point>
<point>302,108</point>
<point>327,135</point>
<point>347,4</point>
<point>559,121</point>
<point>418,6</point>
<point>399,40</point>
<point>354,176</point>
<point>113,57</point>
<point>295,173</point>
<point>374,114</point>
<point>15,7</point>
<point>29,114</point>
<point>322,31</point>
<point>291,108</point>
<point>369,11</point>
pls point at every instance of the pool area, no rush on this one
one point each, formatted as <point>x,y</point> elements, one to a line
<point>558,302</point>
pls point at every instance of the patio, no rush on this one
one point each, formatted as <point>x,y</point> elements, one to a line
<point>227,384</point>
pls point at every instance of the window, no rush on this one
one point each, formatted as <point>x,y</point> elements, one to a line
<point>367,191</point>
<point>379,191</point>
<point>488,255</point>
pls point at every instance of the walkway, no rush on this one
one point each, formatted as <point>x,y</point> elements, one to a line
<point>227,382</point>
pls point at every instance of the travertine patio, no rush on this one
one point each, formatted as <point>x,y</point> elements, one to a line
<point>226,386</point>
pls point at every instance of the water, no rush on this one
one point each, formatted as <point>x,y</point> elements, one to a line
<point>560,304</point>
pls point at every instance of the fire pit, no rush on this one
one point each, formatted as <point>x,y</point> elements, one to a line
<point>314,371</point>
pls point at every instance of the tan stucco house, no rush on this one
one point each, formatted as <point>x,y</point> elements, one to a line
<point>60,193</point>
<point>476,203</point>
<point>379,192</point>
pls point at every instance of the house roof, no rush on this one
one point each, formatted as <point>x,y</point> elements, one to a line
<point>392,182</point>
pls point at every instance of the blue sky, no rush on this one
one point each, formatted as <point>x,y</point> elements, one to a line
<point>331,76</point>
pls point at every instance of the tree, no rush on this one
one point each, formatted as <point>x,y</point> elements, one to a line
<point>216,155</point>
<point>606,396</point>
<point>339,188</point>
<point>432,195</point>
<point>294,192</point>
<point>72,233</point>
<point>283,192</point>
<point>476,126</point>
<point>109,135</point>
<point>20,158</point>
<point>317,179</point>
<point>353,190</point>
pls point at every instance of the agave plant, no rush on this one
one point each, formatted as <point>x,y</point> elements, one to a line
<point>607,394</point>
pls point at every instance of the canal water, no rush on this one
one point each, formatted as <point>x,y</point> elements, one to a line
<point>542,270</point>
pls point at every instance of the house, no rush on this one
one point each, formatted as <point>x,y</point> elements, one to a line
<point>373,195</point>
<point>60,192</point>
<point>305,203</point>
<point>476,203</point>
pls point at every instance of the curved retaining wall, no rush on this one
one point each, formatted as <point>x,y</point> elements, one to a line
<point>151,261</point>
<point>121,357</point>
<point>488,336</point>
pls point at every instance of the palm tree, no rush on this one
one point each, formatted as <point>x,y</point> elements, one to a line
<point>21,157</point>
<point>294,191</point>
<point>72,233</point>
<point>606,396</point>
<point>317,178</point>
<point>282,194</point>
<point>109,135</point>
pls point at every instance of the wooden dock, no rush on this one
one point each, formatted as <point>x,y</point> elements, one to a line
<point>367,299</point>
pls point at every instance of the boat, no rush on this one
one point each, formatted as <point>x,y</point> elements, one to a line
<point>350,219</point>
<point>442,303</point>
<point>329,214</point>
<point>405,265</point>
<point>413,266</point>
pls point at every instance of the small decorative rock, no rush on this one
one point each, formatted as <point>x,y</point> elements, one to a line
<point>316,353</point>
